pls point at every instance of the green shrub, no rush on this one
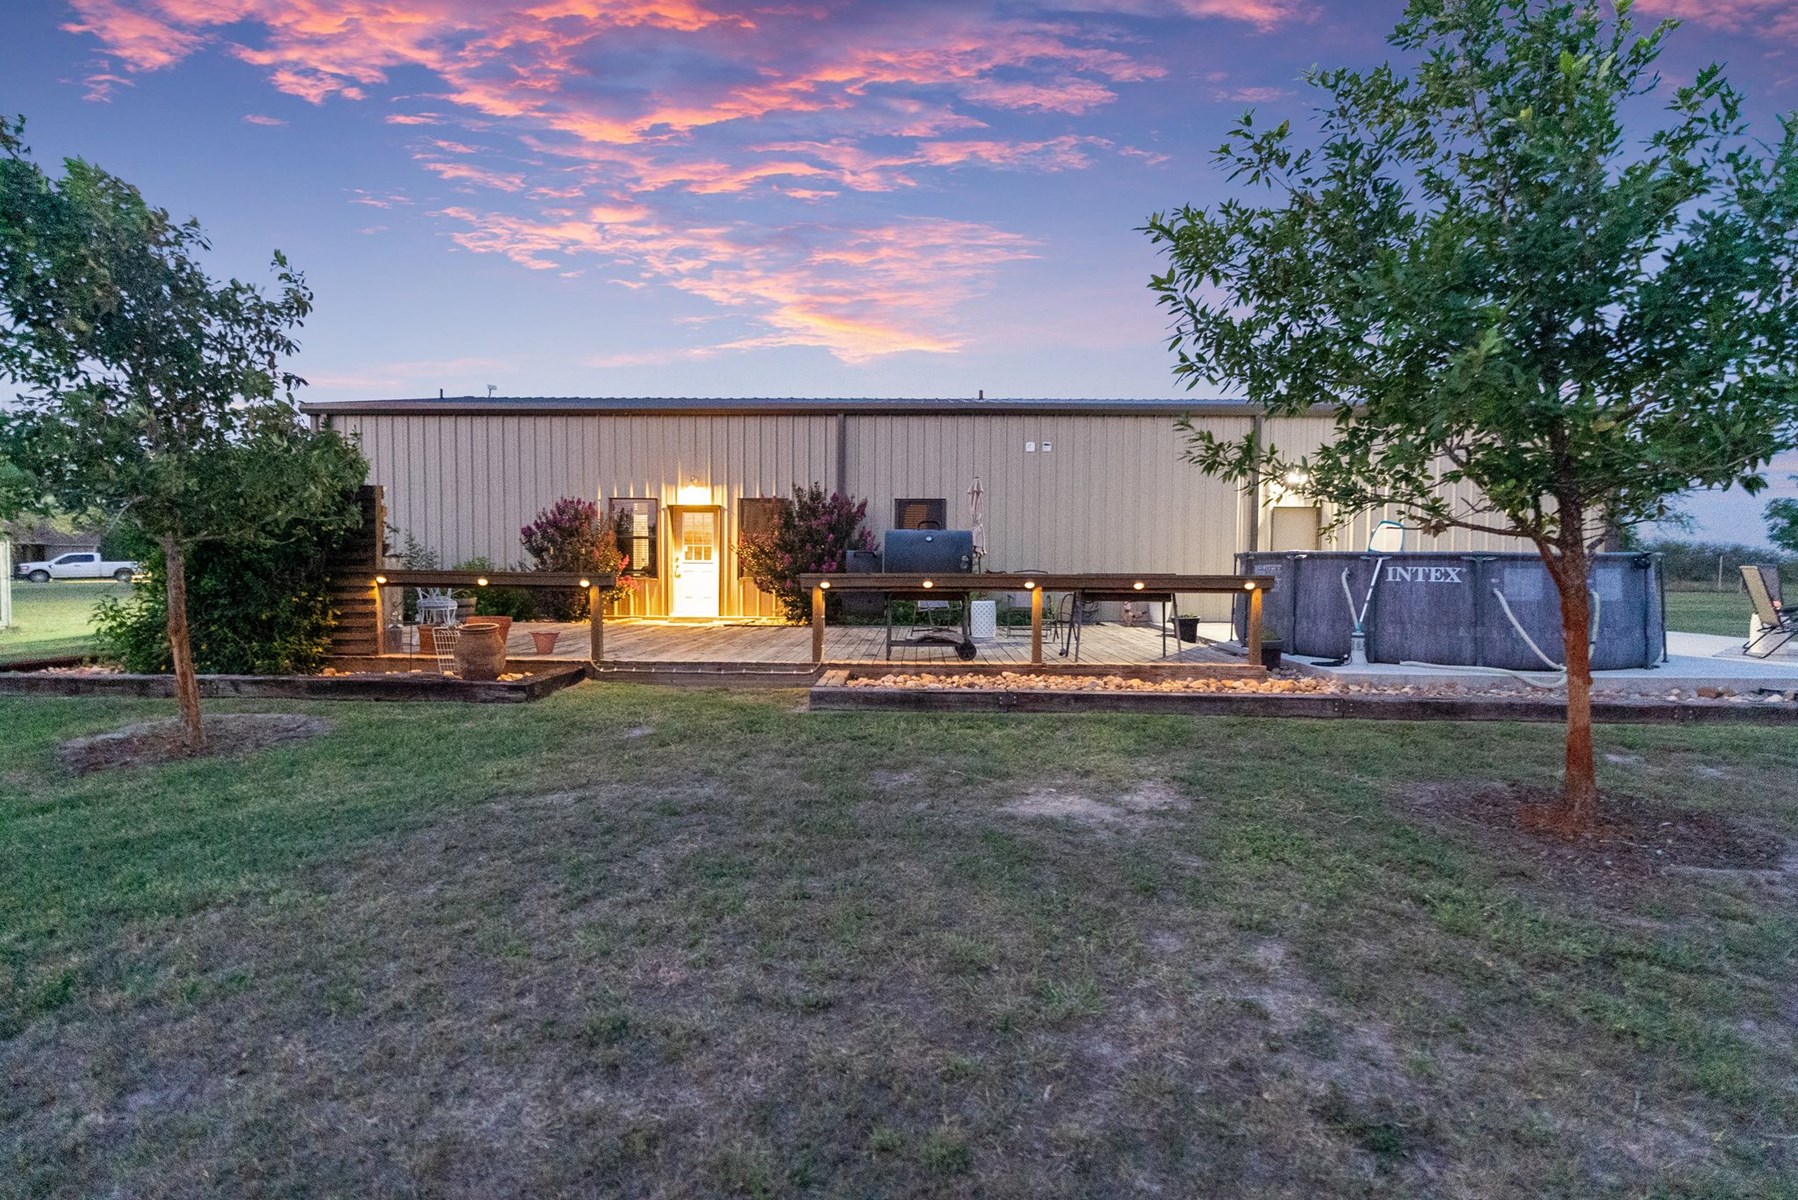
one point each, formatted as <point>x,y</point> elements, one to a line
<point>518,603</point>
<point>253,610</point>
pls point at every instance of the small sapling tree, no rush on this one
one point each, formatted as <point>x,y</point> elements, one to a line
<point>1510,277</point>
<point>150,392</point>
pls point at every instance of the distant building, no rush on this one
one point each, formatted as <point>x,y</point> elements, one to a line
<point>1067,485</point>
<point>38,541</point>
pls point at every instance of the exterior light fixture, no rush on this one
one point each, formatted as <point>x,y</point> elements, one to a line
<point>481,582</point>
<point>824,584</point>
<point>1248,585</point>
<point>1137,585</point>
<point>928,583</point>
<point>586,583</point>
<point>1297,478</point>
<point>380,579</point>
<point>1029,584</point>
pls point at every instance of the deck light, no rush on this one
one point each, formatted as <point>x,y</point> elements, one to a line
<point>586,583</point>
<point>1137,585</point>
<point>928,583</point>
<point>1248,585</point>
<point>481,582</point>
<point>1029,584</point>
<point>824,584</point>
<point>380,579</point>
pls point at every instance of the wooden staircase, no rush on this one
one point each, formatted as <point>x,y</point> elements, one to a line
<point>356,628</point>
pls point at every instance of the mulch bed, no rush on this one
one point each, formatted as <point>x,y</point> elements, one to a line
<point>1635,837</point>
<point>228,735</point>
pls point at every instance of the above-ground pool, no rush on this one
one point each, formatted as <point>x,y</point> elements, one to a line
<point>1455,609</point>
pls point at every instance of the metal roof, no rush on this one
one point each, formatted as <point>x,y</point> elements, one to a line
<point>701,406</point>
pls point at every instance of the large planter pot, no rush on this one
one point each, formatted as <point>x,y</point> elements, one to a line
<point>480,651</point>
<point>504,623</point>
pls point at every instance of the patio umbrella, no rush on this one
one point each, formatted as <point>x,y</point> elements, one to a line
<point>977,523</point>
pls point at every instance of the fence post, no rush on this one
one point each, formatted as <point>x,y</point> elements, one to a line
<point>596,625</point>
<point>1254,630</point>
<point>1036,626</point>
<point>817,624</point>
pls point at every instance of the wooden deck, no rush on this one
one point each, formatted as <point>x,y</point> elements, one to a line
<point>639,640</point>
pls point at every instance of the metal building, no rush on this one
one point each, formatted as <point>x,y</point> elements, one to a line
<point>1066,485</point>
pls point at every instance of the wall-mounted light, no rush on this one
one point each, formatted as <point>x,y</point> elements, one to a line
<point>1297,478</point>
<point>694,492</point>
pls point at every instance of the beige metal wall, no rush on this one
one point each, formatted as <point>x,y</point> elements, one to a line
<point>465,486</point>
<point>1297,437</point>
<point>1112,494</point>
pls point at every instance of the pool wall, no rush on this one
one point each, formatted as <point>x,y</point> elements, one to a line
<point>1447,608</point>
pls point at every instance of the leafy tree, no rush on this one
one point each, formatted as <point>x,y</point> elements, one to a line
<point>151,392</point>
<point>814,533</point>
<point>1782,522</point>
<point>1488,286</point>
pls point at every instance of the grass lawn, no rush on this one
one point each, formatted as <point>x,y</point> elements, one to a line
<point>644,942</point>
<point>1709,612</point>
<point>51,620</point>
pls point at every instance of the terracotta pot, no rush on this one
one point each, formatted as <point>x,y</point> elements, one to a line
<point>504,623</point>
<point>545,640</point>
<point>480,651</point>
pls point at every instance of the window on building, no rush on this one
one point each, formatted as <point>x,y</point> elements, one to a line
<point>920,514</point>
<point>634,524</point>
<point>756,516</point>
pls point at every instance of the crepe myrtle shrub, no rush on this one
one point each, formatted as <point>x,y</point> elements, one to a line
<point>813,533</point>
<point>569,536</point>
<point>1538,299</point>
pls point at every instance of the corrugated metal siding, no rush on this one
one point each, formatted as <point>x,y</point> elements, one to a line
<point>465,486</point>
<point>1113,495</point>
<point>1297,437</point>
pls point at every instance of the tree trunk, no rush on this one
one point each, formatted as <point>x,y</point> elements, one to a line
<point>187,684</point>
<point>1577,814</point>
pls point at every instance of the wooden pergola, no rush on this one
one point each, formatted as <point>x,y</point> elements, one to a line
<point>1084,586</point>
<point>596,586</point>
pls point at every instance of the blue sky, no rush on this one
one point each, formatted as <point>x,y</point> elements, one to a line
<point>708,197</point>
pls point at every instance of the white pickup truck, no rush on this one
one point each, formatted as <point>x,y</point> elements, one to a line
<point>77,565</point>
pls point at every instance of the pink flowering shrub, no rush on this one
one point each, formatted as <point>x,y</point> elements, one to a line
<point>569,536</point>
<point>812,536</point>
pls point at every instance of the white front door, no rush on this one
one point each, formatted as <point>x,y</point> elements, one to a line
<point>696,563</point>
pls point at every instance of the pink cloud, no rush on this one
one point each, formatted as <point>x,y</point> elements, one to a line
<point>260,119</point>
<point>1768,18</point>
<point>629,131</point>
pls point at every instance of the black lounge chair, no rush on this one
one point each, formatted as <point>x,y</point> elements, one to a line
<point>1772,618</point>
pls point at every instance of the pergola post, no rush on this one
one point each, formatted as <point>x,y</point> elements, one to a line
<point>1036,627</point>
<point>596,626</point>
<point>1254,638</point>
<point>818,624</point>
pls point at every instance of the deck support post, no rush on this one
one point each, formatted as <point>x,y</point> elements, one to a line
<point>380,622</point>
<point>1254,632</point>
<point>1036,627</point>
<point>817,624</point>
<point>596,626</point>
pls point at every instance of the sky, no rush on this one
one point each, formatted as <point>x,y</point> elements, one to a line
<point>724,197</point>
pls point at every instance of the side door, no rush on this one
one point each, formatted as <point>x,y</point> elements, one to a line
<point>695,565</point>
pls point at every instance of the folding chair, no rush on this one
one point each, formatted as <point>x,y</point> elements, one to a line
<point>1772,618</point>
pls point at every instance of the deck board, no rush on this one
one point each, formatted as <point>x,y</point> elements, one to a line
<point>636,639</point>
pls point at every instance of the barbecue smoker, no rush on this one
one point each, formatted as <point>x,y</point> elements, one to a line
<point>937,553</point>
